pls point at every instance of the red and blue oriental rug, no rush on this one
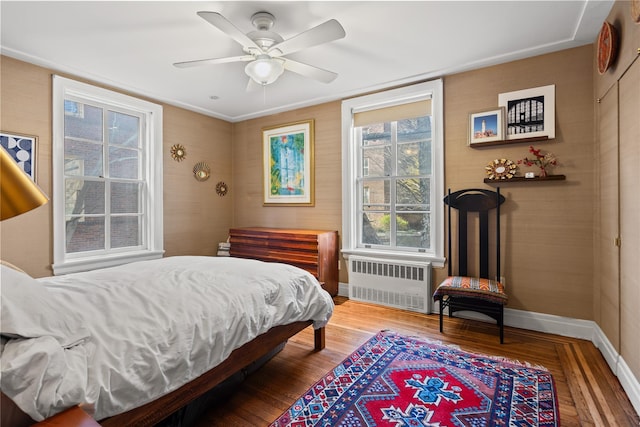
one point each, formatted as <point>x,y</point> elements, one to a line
<point>399,381</point>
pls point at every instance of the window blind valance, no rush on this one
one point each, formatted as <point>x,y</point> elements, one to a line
<point>392,113</point>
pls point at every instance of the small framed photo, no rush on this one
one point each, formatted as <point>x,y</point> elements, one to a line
<point>530,112</point>
<point>22,148</point>
<point>288,164</point>
<point>486,126</point>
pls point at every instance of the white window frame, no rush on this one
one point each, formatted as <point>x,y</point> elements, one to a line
<point>152,248</point>
<point>428,90</point>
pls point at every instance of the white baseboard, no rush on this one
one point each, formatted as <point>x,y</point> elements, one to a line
<point>549,323</point>
<point>607,349</point>
<point>541,322</point>
<point>619,367</point>
<point>564,326</point>
<point>629,383</point>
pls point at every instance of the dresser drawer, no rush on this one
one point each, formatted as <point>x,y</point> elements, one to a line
<point>315,251</point>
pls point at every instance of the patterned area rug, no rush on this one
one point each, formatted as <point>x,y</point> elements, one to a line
<point>398,381</point>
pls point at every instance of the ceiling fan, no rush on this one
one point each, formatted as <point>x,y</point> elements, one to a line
<point>265,50</point>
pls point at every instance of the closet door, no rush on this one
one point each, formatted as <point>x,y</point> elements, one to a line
<point>607,301</point>
<point>629,116</point>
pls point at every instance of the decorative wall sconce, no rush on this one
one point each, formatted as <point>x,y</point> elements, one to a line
<point>201,171</point>
<point>222,188</point>
<point>178,152</point>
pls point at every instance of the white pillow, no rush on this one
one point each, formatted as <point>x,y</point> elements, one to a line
<point>29,310</point>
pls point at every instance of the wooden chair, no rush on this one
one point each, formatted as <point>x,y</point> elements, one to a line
<point>462,292</point>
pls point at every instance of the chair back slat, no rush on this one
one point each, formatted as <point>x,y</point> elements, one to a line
<point>471,201</point>
<point>484,244</point>
<point>462,242</point>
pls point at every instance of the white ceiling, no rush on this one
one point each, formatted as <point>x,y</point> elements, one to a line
<point>132,45</point>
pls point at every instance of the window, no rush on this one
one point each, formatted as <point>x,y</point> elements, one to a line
<point>107,177</point>
<point>393,174</point>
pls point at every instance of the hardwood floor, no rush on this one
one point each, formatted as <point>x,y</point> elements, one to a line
<point>588,392</point>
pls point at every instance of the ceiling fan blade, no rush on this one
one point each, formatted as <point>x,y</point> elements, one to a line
<point>221,23</point>
<point>323,33</point>
<point>210,61</point>
<point>306,70</point>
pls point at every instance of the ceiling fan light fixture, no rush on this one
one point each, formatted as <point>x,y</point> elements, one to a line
<point>264,70</point>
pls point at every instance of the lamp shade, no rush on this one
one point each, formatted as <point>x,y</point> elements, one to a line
<point>18,193</point>
<point>264,70</point>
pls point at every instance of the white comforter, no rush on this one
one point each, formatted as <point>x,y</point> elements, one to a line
<point>152,326</point>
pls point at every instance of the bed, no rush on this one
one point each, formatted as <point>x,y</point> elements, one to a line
<point>134,343</point>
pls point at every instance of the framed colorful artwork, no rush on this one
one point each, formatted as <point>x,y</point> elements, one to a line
<point>22,149</point>
<point>486,126</point>
<point>529,113</point>
<point>288,164</point>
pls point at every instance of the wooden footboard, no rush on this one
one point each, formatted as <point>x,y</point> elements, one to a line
<point>154,412</point>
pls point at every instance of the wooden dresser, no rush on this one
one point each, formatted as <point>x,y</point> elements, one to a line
<point>313,250</point>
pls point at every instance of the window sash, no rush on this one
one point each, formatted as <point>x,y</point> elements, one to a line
<point>109,212</point>
<point>140,155</point>
<point>391,209</point>
<point>354,181</point>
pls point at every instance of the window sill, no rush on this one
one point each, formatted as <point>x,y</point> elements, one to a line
<point>435,260</point>
<point>103,261</point>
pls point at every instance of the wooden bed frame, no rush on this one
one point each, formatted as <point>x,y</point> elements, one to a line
<point>157,410</point>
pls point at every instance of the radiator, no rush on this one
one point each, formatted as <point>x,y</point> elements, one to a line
<point>405,285</point>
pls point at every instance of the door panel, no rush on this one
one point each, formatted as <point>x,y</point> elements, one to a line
<point>607,301</point>
<point>629,116</point>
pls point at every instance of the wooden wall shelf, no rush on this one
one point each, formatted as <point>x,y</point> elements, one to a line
<point>509,141</point>
<point>523,179</point>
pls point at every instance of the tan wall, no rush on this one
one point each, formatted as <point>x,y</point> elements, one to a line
<point>548,241</point>
<point>548,251</point>
<point>195,217</point>
<point>25,108</point>
<point>248,174</point>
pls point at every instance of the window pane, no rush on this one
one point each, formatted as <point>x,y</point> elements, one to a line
<point>126,197</point>
<point>375,228</point>
<point>125,231</point>
<point>123,163</point>
<point>123,129</point>
<point>82,158</point>
<point>414,146</point>
<point>414,158</point>
<point>376,134</point>
<point>82,121</point>
<point>412,230</point>
<point>85,233</point>
<point>414,191</point>
<point>74,167</point>
<point>376,161</point>
<point>417,129</point>
<point>377,192</point>
<point>84,197</point>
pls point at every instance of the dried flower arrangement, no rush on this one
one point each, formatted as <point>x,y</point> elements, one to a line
<point>542,161</point>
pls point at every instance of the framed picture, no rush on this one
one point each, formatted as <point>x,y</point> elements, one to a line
<point>288,164</point>
<point>529,113</point>
<point>486,126</point>
<point>22,149</point>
